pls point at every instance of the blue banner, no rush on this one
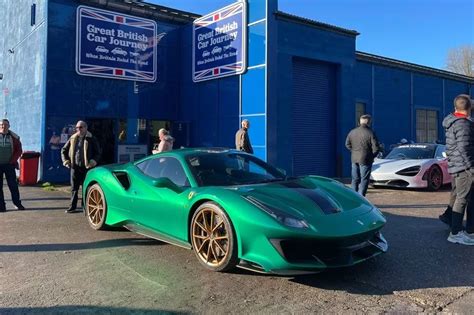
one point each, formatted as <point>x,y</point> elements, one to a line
<point>115,45</point>
<point>219,43</point>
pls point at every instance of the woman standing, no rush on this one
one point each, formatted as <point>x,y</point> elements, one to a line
<point>166,141</point>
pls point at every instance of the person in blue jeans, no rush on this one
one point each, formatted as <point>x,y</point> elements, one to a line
<point>364,147</point>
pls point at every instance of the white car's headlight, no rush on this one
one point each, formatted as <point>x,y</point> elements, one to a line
<point>410,171</point>
<point>280,216</point>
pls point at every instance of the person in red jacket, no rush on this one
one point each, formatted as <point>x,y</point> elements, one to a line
<point>10,152</point>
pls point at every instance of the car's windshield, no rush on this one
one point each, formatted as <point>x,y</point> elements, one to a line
<point>227,169</point>
<point>412,152</point>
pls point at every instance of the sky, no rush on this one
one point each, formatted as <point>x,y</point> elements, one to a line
<point>417,31</point>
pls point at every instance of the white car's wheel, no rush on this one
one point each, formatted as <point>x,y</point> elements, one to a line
<point>435,178</point>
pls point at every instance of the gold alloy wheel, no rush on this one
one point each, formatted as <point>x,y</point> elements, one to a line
<point>210,237</point>
<point>95,206</point>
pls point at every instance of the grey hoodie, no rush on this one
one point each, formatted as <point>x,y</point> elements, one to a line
<point>459,143</point>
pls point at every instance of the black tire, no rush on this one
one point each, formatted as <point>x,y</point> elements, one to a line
<point>435,178</point>
<point>96,207</point>
<point>213,238</point>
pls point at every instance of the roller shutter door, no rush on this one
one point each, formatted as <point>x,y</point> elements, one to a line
<point>314,118</point>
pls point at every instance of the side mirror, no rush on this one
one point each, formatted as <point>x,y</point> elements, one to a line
<point>281,171</point>
<point>444,155</point>
<point>165,182</point>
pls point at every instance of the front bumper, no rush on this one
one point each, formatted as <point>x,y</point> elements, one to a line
<point>394,180</point>
<point>324,254</point>
<point>306,256</point>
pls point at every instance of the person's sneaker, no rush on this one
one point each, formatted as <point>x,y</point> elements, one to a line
<point>19,207</point>
<point>469,236</point>
<point>445,219</point>
<point>460,238</point>
<point>70,210</point>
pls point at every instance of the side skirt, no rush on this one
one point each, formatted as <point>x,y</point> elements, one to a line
<point>140,229</point>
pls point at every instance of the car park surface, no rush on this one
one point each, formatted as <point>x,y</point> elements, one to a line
<point>53,262</point>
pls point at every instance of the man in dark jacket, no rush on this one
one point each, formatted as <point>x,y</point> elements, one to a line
<point>460,151</point>
<point>242,140</point>
<point>10,151</point>
<point>80,153</point>
<point>364,146</point>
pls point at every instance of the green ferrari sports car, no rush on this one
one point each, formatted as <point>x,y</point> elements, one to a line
<point>233,209</point>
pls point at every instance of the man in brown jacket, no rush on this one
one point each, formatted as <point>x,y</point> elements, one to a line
<point>242,140</point>
<point>80,153</point>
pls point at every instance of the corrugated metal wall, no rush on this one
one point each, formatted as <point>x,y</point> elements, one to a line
<point>313,118</point>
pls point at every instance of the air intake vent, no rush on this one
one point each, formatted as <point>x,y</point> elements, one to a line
<point>122,177</point>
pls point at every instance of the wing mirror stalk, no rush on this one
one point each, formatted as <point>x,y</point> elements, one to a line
<point>281,170</point>
<point>164,182</point>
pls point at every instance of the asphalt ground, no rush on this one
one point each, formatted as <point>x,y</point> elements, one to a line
<point>52,262</point>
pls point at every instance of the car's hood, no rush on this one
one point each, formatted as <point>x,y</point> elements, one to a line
<point>306,197</point>
<point>391,166</point>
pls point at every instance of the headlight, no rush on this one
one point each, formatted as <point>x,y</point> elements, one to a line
<point>410,171</point>
<point>280,216</point>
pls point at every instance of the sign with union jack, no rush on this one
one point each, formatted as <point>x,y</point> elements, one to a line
<point>219,43</point>
<point>115,45</point>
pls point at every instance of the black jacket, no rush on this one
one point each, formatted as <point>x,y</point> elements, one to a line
<point>363,144</point>
<point>459,143</point>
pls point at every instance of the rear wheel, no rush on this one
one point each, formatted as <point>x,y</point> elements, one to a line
<point>213,238</point>
<point>435,178</point>
<point>96,207</point>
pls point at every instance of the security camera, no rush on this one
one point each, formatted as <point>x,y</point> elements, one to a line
<point>11,51</point>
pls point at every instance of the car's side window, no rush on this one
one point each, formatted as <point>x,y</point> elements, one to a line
<point>439,152</point>
<point>143,165</point>
<point>165,167</point>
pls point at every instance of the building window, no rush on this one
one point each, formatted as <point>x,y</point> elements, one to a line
<point>141,124</point>
<point>360,110</point>
<point>426,125</point>
<point>33,14</point>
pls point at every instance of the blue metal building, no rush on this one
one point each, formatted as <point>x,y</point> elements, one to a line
<point>304,88</point>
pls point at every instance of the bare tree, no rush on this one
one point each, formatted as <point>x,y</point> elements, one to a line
<point>461,60</point>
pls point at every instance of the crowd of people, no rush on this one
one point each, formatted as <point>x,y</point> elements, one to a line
<point>82,152</point>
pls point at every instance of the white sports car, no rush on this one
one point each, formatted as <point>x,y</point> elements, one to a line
<point>417,165</point>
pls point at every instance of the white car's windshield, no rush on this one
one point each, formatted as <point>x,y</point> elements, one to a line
<point>412,152</point>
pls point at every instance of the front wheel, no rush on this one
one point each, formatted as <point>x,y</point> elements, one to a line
<point>96,207</point>
<point>213,238</point>
<point>435,178</point>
